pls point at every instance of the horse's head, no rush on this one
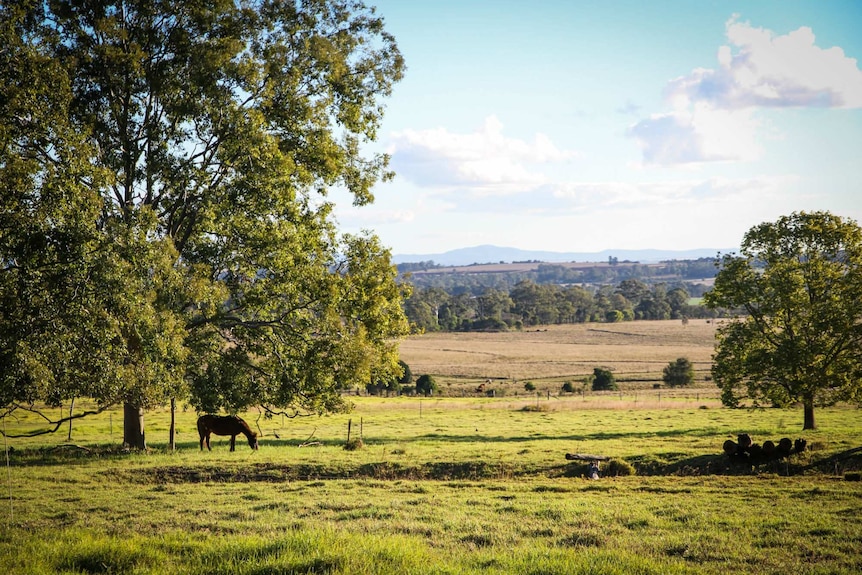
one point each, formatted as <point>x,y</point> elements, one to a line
<point>252,441</point>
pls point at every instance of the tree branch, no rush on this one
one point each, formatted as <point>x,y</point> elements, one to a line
<point>54,425</point>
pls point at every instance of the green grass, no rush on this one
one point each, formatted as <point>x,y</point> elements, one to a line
<point>464,486</point>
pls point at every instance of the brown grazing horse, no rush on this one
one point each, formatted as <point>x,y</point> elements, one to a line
<point>225,425</point>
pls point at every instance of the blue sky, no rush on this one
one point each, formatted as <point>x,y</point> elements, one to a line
<point>584,126</point>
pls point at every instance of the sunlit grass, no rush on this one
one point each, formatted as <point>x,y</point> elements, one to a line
<point>450,484</point>
<point>462,486</point>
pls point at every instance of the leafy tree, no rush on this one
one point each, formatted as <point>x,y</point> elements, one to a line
<point>568,387</point>
<point>677,299</point>
<point>603,380</point>
<point>406,374</point>
<point>426,385</point>
<point>679,373</point>
<point>536,304</point>
<point>614,316</point>
<point>164,225</point>
<point>634,290</point>
<point>493,303</point>
<point>799,281</point>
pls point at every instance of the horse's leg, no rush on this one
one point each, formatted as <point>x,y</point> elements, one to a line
<point>232,442</point>
<point>208,442</point>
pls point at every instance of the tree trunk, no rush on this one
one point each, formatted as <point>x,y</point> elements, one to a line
<point>172,445</point>
<point>71,409</point>
<point>133,427</point>
<point>808,406</point>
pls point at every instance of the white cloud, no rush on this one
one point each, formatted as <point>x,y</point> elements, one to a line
<point>713,116</point>
<point>762,69</point>
<point>699,133</point>
<point>484,160</point>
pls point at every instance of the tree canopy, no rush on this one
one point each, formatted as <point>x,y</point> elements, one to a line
<point>165,227</point>
<point>799,281</point>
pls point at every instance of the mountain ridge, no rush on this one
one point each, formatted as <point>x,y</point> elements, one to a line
<point>493,254</point>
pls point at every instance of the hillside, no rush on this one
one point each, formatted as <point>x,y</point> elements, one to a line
<point>495,254</point>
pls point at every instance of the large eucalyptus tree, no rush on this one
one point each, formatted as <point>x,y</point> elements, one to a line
<point>165,224</point>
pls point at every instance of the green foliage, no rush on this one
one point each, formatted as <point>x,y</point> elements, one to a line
<point>530,386</point>
<point>406,374</point>
<point>679,373</point>
<point>798,281</point>
<point>468,307</point>
<point>165,225</point>
<point>603,380</point>
<point>618,468</point>
<point>568,387</point>
<point>614,316</point>
<point>426,385</point>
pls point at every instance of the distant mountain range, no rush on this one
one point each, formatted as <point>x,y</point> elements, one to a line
<point>495,254</point>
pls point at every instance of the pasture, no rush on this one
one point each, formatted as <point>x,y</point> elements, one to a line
<point>451,484</point>
<point>547,356</point>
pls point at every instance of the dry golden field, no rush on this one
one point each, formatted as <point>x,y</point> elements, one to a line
<point>636,352</point>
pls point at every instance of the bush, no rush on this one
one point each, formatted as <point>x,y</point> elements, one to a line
<point>407,376</point>
<point>426,385</point>
<point>354,444</point>
<point>603,380</point>
<point>529,386</point>
<point>568,387</point>
<point>679,373</point>
<point>619,468</point>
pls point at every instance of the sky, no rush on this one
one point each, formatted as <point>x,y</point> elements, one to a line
<point>580,126</point>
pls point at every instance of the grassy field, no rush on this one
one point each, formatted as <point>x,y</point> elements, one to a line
<point>444,485</point>
<point>635,351</point>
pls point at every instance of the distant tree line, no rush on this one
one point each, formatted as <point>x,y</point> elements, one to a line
<point>529,303</point>
<point>694,273</point>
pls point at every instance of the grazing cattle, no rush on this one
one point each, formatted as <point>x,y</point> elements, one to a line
<point>225,425</point>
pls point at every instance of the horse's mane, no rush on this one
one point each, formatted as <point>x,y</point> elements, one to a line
<point>245,426</point>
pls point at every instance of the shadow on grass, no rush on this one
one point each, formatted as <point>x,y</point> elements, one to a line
<point>654,464</point>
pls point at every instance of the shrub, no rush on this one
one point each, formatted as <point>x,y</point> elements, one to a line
<point>568,387</point>
<point>543,408</point>
<point>614,316</point>
<point>603,380</point>
<point>354,444</point>
<point>529,386</point>
<point>679,373</point>
<point>619,468</point>
<point>426,385</point>
<point>406,376</point>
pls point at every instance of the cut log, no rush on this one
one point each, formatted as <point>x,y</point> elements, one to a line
<point>585,457</point>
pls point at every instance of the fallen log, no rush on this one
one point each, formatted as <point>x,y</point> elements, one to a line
<point>585,457</point>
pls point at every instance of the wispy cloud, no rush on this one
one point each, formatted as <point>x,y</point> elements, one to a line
<point>713,113</point>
